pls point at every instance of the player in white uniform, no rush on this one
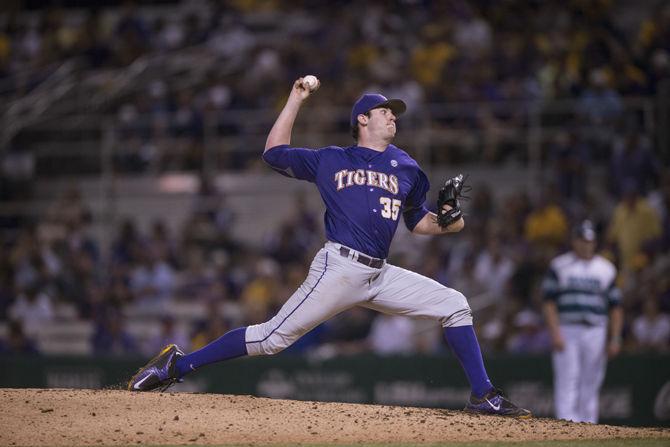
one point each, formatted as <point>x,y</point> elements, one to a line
<point>580,299</point>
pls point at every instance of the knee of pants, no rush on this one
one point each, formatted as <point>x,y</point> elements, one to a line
<point>273,345</point>
<point>263,340</point>
<point>459,311</point>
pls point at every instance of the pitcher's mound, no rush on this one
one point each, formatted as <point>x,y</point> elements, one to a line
<point>58,417</point>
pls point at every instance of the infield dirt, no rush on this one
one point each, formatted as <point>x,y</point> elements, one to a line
<point>59,417</point>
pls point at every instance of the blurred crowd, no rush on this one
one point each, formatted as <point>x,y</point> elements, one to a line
<point>452,50</point>
<point>498,262</point>
<point>495,60</point>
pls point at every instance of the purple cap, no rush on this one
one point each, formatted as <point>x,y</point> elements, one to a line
<point>371,101</point>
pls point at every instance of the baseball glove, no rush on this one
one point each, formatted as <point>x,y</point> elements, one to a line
<point>450,194</point>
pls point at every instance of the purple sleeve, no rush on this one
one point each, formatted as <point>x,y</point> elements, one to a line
<point>414,209</point>
<point>293,162</point>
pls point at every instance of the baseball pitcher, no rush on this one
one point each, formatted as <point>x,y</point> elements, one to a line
<point>366,188</point>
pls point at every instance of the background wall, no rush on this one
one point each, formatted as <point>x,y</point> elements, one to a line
<point>635,392</point>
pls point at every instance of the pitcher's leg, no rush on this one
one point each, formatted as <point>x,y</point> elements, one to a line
<point>402,292</point>
<point>229,346</point>
<point>324,293</point>
<point>464,344</point>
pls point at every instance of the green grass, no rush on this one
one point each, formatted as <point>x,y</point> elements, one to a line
<point>602,443</point>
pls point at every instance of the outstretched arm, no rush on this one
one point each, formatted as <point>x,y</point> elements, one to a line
<point>281,130</point>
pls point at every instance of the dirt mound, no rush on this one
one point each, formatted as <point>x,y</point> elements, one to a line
<point>58,417</point>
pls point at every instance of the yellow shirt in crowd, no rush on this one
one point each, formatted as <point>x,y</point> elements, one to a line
<point>631,228</point>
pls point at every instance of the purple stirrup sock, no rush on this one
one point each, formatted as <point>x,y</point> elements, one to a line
<point>465,346</point>
<point>228,346</point>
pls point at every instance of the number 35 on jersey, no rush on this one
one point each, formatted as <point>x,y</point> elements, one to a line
<point>391,207</point>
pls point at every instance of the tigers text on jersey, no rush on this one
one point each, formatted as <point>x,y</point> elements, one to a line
<point>364,191</point>
<point>584,290</point>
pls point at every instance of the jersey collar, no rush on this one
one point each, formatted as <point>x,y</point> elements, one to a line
<point>366,153</point>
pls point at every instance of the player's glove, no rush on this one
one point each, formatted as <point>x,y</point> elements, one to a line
<point>449,195</point>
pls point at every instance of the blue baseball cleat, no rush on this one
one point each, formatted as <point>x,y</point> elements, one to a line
<point>160,372</point>
<point>494,402</point>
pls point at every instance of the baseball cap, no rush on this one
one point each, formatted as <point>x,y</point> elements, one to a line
<point>371,101</point>
<point>585,230</point>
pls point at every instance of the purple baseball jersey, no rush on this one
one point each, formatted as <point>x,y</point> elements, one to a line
<point>364,191</point>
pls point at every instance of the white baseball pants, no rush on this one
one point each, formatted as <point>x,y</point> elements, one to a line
<point>336,283</point>
<point>579,371</point>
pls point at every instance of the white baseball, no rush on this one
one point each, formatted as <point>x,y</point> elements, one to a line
<point>310,81</point>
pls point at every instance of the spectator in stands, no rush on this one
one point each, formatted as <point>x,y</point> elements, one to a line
<point>546,226</point>
<point>432,267</point>
<point>633,161</point>
<point>197,281</point>
<point>432,55</point>
<point>219,320</point>
<point>80,257</point>
<point>391,335</point>
<point>570,158</point>
<point>68,211</point>
<point>529,334</point>
<point>651,330</point>
<point>482,208</point>
<point>17,173</point>
<point>92,43</point>
<point>131,34</point>
<point>161,241</point>
<point>211,223</point>
<point>348,332</point>
<point>659,200</point>
<point>659,71</point>
<point>186,119</point>
<point>7,289</point>
<point>152,279</point>
<point>286,246</point>
<point>599,103</point>
<point>30,259</point>
<point>110,336</point>
<point>472,33</point>
<point>493,268</point>
<point>634,223</point>
<point>259,293</point>
<point>33,308</point>
<point>462,277</point>
<point>514,210</point>
<point>291,277</point>
<point>16,341</point>
<point>128,244</point>
<point>170,332</point>
<point>651,45</point>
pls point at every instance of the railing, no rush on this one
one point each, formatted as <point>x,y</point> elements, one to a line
<point>436,134</point>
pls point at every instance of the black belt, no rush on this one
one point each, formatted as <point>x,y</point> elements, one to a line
<point>365,260</point>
